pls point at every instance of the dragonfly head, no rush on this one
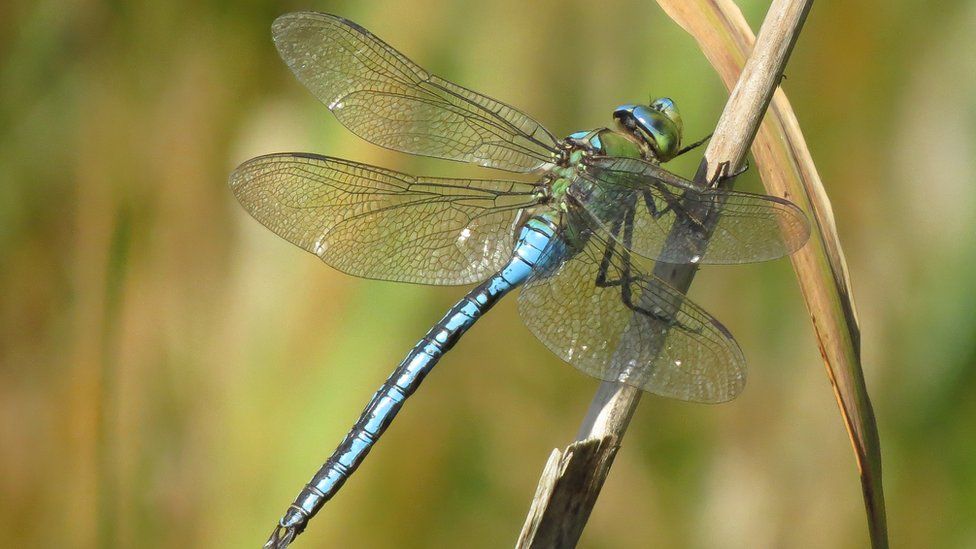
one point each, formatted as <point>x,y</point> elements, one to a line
<point>657,124</point>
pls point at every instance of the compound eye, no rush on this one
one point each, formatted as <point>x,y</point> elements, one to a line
<point>659,130</point>
<point>626,120</point>
<point>625,115</point>
<point>666,106</point>
<point>662,104</point>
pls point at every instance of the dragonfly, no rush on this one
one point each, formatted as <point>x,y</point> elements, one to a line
<point>573,240</point>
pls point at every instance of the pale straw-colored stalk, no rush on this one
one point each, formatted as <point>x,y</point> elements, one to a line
<point>752,69</point>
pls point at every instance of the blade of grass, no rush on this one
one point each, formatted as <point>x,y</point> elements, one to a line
<point>574,476</point>
<point>787,170</point>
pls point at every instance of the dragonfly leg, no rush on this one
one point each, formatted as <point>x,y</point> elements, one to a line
<point>652,207</point>
<point>601,275</point>
<point>626,286</point>
<point>626,289</point>
<point>656,312</point>
<point>723,172</point>
<point>693,146</point>
<point>673,204</point>
<point>602,280</point>
<point>625,280</point>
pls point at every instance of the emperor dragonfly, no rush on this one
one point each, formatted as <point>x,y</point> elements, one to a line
<point>569,239</point>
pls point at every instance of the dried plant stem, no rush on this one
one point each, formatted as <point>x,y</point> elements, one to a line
<point>574,476</point>
<point>787,170</point>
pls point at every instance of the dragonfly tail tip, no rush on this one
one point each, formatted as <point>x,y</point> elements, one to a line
<point>281,537</point>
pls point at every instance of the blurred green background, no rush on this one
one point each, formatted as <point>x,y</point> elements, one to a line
<point>171,373</point>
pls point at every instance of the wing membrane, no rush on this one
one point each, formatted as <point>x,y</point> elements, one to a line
<point>378,223</point>
<point>385,98</point>
<point>598,312</point>
<point>749,228</point>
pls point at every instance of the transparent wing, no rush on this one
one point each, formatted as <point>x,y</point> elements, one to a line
<point>598,312</point>
<point>749,227</point>
<point>376,223</point>
<point>385,98</point>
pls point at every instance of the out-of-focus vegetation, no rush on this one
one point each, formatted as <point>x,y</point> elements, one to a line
<point>171,372</point>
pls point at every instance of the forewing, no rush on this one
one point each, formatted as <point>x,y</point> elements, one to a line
<point>378,223</point>
<point>749,227</point>
<point>385,98</point>
<point>631,327</point>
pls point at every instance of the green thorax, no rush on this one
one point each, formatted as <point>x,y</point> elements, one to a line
<point>603,142</point>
